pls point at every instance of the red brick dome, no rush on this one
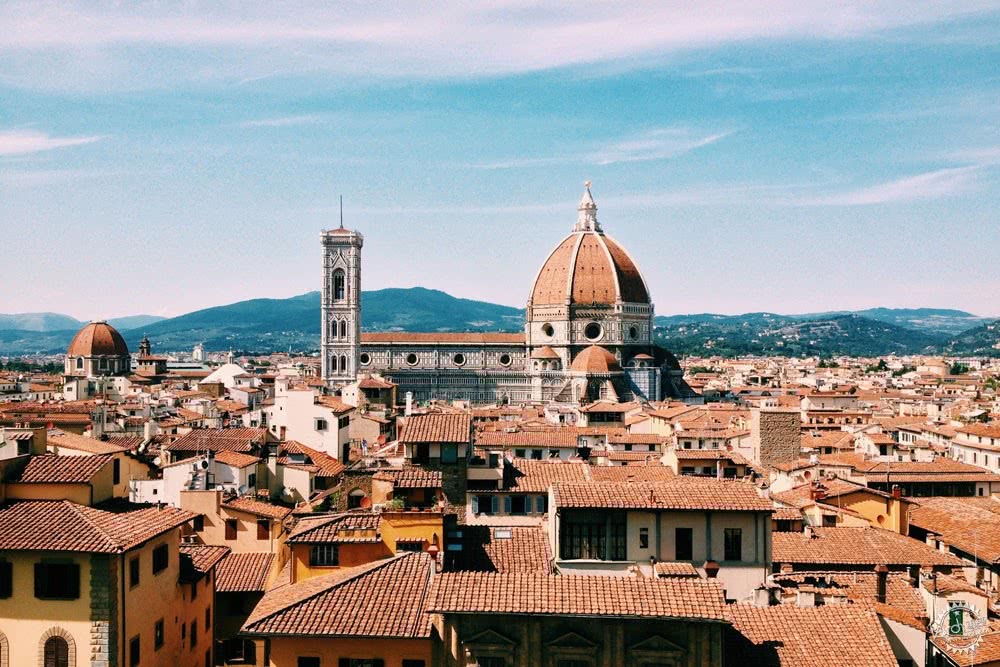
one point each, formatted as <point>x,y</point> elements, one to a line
<point>98,339</point>
<point>589,267</point>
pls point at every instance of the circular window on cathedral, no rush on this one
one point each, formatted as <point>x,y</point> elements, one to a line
<point>593,331</point>
<point>548,330</point>
<point>365,358</point>
<point>633,333</point>
<point>505,360</point>
<point>458,359</point>
<point>412,359</point>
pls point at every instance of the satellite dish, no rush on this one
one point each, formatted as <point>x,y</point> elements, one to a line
<point>204,465</point>
<point>156,461</point>
<point>243,489</point>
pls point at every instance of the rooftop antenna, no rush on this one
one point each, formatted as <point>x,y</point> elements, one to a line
<point>341,211</point>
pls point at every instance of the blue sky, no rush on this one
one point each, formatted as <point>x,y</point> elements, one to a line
<point>782,156</point>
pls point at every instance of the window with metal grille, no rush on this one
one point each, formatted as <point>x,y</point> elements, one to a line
<point>324,555</point>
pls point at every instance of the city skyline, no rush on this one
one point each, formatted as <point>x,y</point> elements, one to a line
<point>803,160</point>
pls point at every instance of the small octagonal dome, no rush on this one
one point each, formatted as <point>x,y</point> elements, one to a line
<point>596,359</point>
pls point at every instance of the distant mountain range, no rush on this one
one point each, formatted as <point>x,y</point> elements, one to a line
<point>45,322</point>
<point>265,325</point>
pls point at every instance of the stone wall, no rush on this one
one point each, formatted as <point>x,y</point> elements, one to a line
<point>776,435</point>
<point>103,611</point>
<point>354,479</point>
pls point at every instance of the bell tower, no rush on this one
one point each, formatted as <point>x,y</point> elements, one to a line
<point>341,305</point>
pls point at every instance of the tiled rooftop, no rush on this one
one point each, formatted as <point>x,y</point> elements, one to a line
<point>681,493</point>
<point>856,546</point>
<point>243,572</point>
<point>437,428</point>
<point>383,599</point>
<point>785,635</point>
<point>581,595</point>
<point>72,527</point>
<point>51,469</point>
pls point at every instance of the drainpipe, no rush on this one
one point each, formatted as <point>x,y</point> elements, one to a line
<point>123,640</point>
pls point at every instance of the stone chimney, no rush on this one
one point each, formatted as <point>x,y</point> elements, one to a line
<point>762,596</point>
<point>805,598</point>
<point>882,582</point>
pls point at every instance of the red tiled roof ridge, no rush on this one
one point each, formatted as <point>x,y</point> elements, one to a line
<point>321,585</point>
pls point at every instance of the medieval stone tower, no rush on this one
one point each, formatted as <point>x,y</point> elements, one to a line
<point>341,305</point>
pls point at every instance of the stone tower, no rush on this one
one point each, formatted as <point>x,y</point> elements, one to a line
<point>341,305</point>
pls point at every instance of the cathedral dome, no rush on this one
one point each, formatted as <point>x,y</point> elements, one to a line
<point>97,339</point>
<point>588,267</point>
<point>595,359</point>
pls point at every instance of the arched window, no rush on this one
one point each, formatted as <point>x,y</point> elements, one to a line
<point>339,285</point>
<point>343,364</point>
<point>79,363</point>
<point>343,328</point>
<point>56,652</point>
<point>355,498</point>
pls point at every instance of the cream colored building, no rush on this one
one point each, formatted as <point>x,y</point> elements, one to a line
<point>320,422</point>
<point>81,586</point>
<point>723,528</point>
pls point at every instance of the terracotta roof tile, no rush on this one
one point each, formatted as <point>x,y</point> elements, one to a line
<point>580,595</point>
<point>411,478</point>
<point>443,338</point>
<point>384,599</point>
<point>237,459</point>
<point>257,507</point>
<point>856,546</point>
<point>787,635</point>
<point>197,560</point>
<point>857,586</point>
<point>528,476</point>
<point>350,527</point>
<point>51,469</point>
<point>244,572</point>
<point>682,493</point>
<point>668,569</point>
<point>82,443</point>
<point>217,440</point>
<point>437,428</point>
<point>502,549</point>
<point>969,524</point>
<point>631,473</point>
<point>72,527</point>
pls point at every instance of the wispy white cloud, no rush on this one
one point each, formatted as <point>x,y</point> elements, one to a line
<point>283,121</point>
<point>442,39</point>
<point>930,185</point>
<point>656,144</point>
<point>22,142</point>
